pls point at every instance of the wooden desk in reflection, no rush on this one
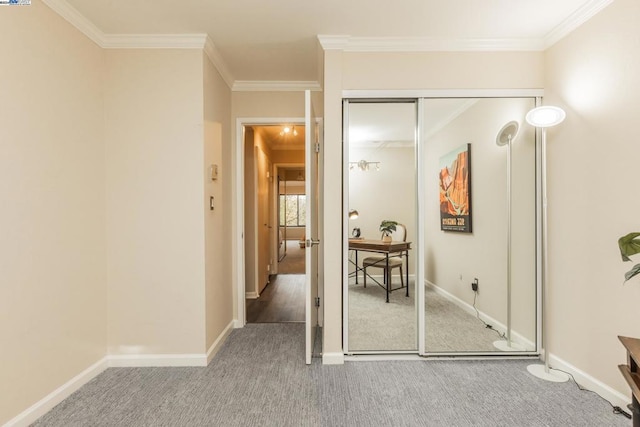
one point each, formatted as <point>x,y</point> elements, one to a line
<point>387,249</point>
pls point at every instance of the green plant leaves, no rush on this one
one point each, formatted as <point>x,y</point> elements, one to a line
<point>629,245</point>
<point>387,226</point>
<point>629,274</point>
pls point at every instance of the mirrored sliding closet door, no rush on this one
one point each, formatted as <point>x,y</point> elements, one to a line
<point>454,183</point>
<point>380,293</point>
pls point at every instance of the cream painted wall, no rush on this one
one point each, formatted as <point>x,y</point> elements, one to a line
<point>440,70</point>
<point>257,216</point>
<point>268,104</point>
<point>264,217</point>
<point>452,259</point>
<point>593,74</point>
<point>155,204</point>
<point>53,320</point>
<point>217,150</point>
<point>249,215</point>
<point>332,209</point>
<point>443,70</point>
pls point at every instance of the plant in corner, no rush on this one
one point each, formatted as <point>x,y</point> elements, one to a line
<point>630,245</point>
<point>387,227</point>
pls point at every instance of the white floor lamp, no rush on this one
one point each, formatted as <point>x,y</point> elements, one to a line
<point>544,117</point>
<point>506,136</point>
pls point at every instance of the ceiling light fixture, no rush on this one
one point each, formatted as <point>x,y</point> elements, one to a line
<point>364,165</point>
<point>289,130</point>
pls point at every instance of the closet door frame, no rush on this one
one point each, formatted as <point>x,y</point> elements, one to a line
<point>419,96</point>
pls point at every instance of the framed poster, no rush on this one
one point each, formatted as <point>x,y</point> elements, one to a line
<point>455,190</point>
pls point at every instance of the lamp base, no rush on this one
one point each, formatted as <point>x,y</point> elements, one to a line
<point>552,375</point>
<point>503,345</point>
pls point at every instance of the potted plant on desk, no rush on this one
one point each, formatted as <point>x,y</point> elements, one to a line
<point>387,227</point>
<point>630,245</point>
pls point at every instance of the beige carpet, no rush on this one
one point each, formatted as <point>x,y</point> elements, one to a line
<point>293,262</point>
<point>375,325</point>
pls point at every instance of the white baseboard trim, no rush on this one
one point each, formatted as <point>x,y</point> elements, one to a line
<point>215,347</point>
<point>156,360</point>
<point>43,406</point>
<point>515,336</point>
<point>332,358</point>
<point>591,383</point>
<point>251,295</point>
<point>47,403</point>
<point>237,324</point>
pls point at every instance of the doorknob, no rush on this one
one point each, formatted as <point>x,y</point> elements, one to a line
<point>311,242</point>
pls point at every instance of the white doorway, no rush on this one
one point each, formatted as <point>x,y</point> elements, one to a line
<point>246,253</point>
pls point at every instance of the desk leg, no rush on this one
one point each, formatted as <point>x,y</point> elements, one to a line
<point>635,411</point>
<point>387,272</point>
<point>407,272</point>
<point>356,267</point>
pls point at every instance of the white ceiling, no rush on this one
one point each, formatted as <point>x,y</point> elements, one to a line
<point>277,40</point>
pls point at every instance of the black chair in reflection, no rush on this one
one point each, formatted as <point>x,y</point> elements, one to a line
<point>380,261</point>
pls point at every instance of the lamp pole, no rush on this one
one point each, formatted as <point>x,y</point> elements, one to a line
<point>544,117</point>
<point>505,137</point>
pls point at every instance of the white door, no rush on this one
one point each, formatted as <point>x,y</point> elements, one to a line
<point>311,225</point>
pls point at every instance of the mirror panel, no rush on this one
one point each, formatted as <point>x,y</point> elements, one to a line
<point>479,224</point>
<point>456,316</point>
<point>382,186</point>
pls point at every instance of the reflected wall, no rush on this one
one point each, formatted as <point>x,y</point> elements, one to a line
<point>455,315</point>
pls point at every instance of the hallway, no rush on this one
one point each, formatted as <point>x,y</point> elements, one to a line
<point>281,301</point>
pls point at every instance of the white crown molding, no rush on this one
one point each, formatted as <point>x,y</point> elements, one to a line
<point>329,42</point>
<point>141,41</point>
<point>78,20</point>
<point>582,15</point>
<point>426,44</point>
<point>154,41</point>
<point>274,86</point>
<point>429,44</point>
<point>214,55</point>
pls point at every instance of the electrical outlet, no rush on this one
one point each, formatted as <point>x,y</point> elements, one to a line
<point>474,285</point>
